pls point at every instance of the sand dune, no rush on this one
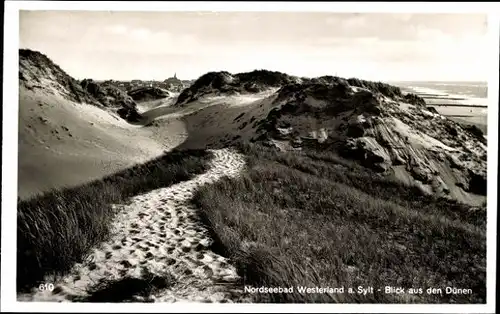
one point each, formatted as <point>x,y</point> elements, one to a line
<point>409,143</point>
<point>221,120</point>
<point>69,135</point>
<point>165,109</point>
<point>197,116</point>
<point>63,143</point>
<point>158,235</point>
<point>216,119</point>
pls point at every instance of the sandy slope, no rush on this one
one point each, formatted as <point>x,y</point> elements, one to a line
<point>210,120</point>
<point>157,233</point>
<point>165,110</point>
<point>63,143</point>
<point>220,120</point>
<point>145,106</point>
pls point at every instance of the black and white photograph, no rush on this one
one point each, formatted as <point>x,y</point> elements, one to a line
<point>251,156</point>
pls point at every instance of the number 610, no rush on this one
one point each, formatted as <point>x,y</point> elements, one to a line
<point>46,286</point>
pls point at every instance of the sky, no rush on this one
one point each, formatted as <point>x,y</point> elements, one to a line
<point>155,45</point>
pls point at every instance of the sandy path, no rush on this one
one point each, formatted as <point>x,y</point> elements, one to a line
<point>157,235</point>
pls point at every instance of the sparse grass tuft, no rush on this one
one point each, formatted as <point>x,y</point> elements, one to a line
<point>314,219</point>
<point>57,229</point>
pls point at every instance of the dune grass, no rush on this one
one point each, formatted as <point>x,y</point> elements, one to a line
<point>57,229</point>
<point>314,219</point>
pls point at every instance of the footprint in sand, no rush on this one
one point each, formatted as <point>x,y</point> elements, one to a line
<point>154,238</point>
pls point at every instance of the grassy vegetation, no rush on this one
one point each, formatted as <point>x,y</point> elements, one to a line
<point>35,61</point>
<point>314,219</point>
<point>57,229</point>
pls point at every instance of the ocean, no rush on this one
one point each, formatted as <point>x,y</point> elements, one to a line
<point>463,102</point>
